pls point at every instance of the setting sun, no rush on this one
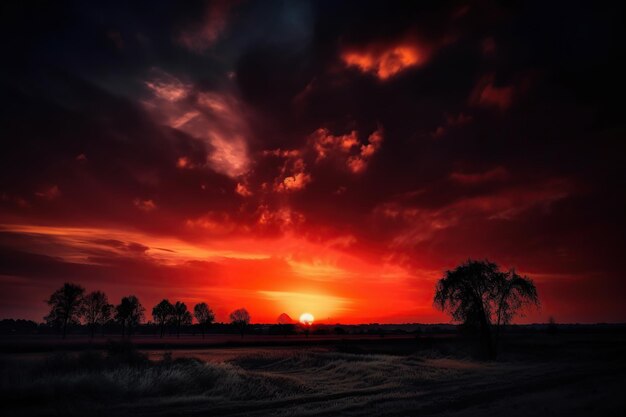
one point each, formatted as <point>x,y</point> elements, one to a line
<point>307,319</point>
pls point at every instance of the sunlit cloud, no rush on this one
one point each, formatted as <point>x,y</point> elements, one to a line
<point>487,94</point>
<point>213,223</point>
<point>346,147</point>
<point>419,224</point>
<point>284,273</point>
<point>215,118</point>
<point>167,87</point>
<point>243,190</point>
<point>320,305</point>
<point>326,143</point>
<point>293,177</point>
<point>384,61</point>
<point>283,219</point>
<point>317,269</point>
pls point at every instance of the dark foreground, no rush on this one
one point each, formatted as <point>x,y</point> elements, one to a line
<point>568,375</point>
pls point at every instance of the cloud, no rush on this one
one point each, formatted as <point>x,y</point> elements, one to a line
<point>200,37</point>
<point>294,182</point>
<point>215,223</point>
<point>452,122</point>
<point>213,117</point>
<point>358,163</point>
<point>325,143</point>
<point>323,305</point>
<point>417,224</point>
<point>51,193</point>
<point>293,176</point>
<point>487,94</point>
<point>385,61</point>
<point>144,205</point>
<point>346,147</point>
<point>243,190</point>
<point>167,87</point>
<point>495,174</point>
<point>282,219</point>
<point>228,149</point>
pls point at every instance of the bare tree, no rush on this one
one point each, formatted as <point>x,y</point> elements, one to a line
<point>240,319</point>
<point>162,314</point>
<point>181,316</point>
<point>204,315</point>
<point>97,310</point>
<point>477,293</point>
<point>66,306</point>
<point>129,313</point>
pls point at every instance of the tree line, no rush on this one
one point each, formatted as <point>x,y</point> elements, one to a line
<point>476,293</point>
<point>69,305</point>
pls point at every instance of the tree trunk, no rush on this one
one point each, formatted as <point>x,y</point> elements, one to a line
<point>487,339</point>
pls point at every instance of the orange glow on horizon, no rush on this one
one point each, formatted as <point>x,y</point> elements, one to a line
<point>286,274</point>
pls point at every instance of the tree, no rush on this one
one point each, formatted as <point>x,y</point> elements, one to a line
<point>66,306</point>
<point>204,315</point>
<point>97,310</point>
<point>285,324</point>
<point>240,319</point>
<point>552,327</point>
<point>162,314</point>
<point>129,313</point>
<point>181,316</point>
<point>478,294</point>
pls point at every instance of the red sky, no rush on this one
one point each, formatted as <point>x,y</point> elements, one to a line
<point>334,158</point>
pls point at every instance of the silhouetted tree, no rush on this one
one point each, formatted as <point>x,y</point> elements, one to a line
<point>162,314</point>
<point>66,306</point>
<point>552,328</point>
<point>129,313</point>
<point>285,324</point>
<point>97,310</point>
<point>240,319</point>
<point>19,326</point>
<point>204,315</point>
<point>181,316</point>
<point>477,293</point>
<point>339,330</point>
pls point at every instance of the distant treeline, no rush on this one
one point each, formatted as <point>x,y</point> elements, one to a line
<point>25,327</point>
<point>30,327</point>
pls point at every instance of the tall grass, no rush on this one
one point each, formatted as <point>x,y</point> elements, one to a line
<point>122,375</point>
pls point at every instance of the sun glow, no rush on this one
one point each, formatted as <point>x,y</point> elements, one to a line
<point>307,319</point>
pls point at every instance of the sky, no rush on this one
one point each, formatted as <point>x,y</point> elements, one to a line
<point>331,157</point>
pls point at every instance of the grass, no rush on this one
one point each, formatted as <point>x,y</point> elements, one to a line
<point>314,381</point>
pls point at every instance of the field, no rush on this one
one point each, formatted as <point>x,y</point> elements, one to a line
<point>539,374</point>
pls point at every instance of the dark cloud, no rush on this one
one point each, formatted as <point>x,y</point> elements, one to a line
<point>415,134</point>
